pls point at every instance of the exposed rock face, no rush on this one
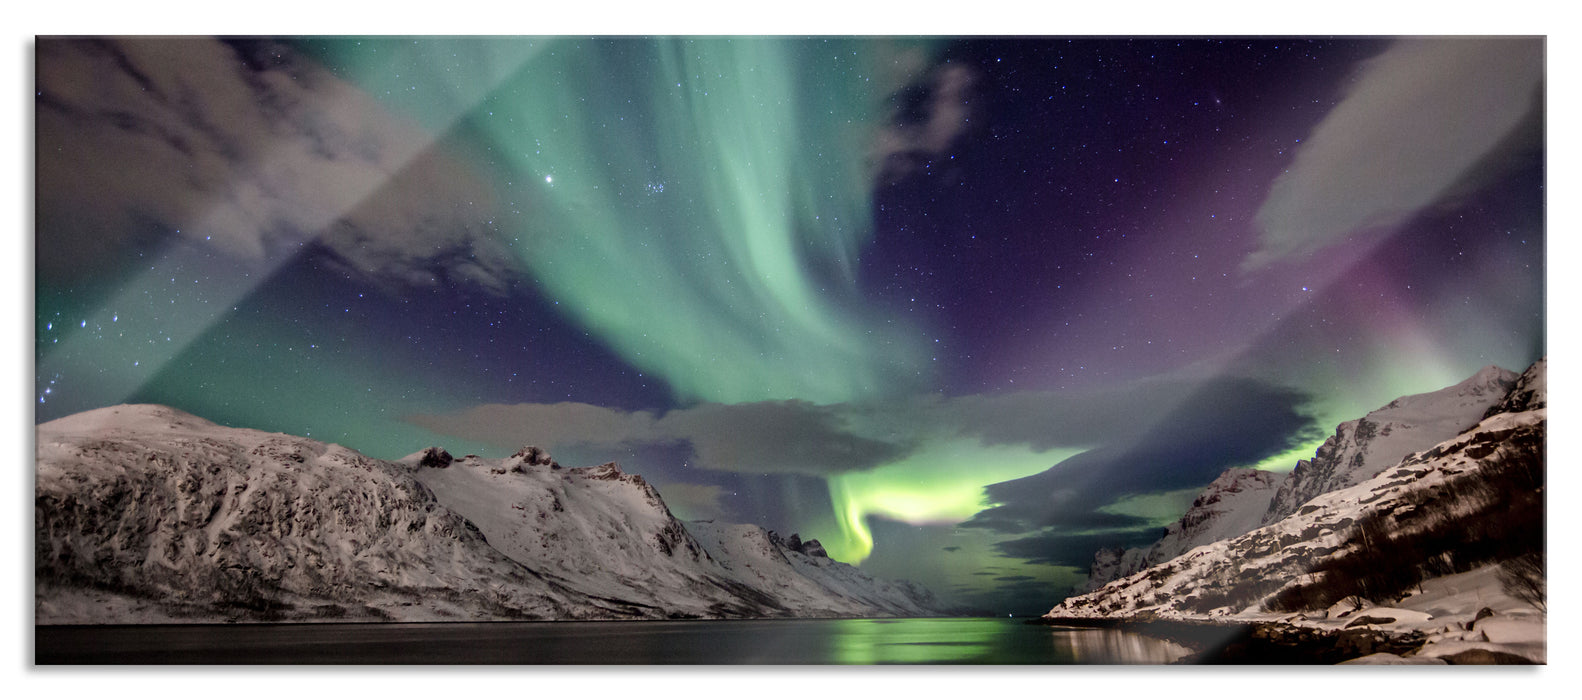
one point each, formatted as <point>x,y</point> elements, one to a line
<point>532,456</point>
<point>1362,448</point>
<point>144,513</point>
<point>811,548</point>
<point>1529,393</point>
<point>1233,504</point>
<point>436,458</point>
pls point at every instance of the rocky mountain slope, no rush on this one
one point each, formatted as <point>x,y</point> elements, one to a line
<point>1474,502</point>
<point>148,514</point>
<point>1362,448</point>
<point>1233,504</point>
<point>1241,500</point>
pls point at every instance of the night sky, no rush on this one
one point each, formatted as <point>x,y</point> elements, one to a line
<point>963,310</point>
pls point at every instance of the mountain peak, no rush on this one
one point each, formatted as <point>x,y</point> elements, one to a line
<point>129,417</point>
<point>1491,378</point>
<point>1530,391</point>
<point>1362,448</point>
<point>533,455</point>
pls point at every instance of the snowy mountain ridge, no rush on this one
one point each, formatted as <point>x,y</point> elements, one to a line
<point>1472,503</point>
<point>147,514</point>
<point>561,522</point>
<point>1241,499</point>
<point>1362,448</point>
<point>1232,504</point>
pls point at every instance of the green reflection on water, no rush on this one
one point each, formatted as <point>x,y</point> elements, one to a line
<point>913,641</point>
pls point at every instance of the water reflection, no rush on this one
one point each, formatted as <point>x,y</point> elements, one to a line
<point>927,641</point>
<point>755,642</point>
<point>1117,647</point>
<point>990,641</point>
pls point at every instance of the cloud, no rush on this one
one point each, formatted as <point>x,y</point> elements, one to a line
<point>777,437</point>
<point>930,118</point>
<point>1074,550</point>
<point>1220,424</point>
<point>769,437</point>
<point>1145,437</point>
<point>547,425</point>
<point>1061,512</point>
<point>693,501</point>
<point>1418,119</point>
<point>247,150</point>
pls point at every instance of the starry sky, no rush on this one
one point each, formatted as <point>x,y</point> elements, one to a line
<point>965,310</point>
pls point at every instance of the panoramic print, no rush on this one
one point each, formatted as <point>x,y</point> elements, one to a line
<point>789,350</point>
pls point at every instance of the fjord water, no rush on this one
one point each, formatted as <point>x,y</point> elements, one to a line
<point>864,641</point>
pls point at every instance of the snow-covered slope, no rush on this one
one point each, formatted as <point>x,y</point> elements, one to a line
<point>1459,506</point>
<point>1244,572</point>
<point>1233,504</point>
<point>1362,448</point>
<point>802,576</point>
<point>610,534</point>
<point>145,513</point>
<point>1112,563</point>
<point>1241,500</point>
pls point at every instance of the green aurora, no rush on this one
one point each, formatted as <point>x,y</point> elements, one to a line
<point>701,206</point>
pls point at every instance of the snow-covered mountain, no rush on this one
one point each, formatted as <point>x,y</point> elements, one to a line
<point>1462,505</point>
<point>1233,504</point>
<point>1241,499</point>
<point>1362,448</point>
<point>609,534</point>
<point>146,514</point>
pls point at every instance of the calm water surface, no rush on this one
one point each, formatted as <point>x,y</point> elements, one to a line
<point>909,641</point>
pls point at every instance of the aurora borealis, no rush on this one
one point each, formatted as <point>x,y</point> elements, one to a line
<point>965,310</point>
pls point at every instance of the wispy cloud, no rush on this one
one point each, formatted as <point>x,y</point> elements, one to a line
<point>693,501</point>
<point>770,437</point>
<point>1220,424</point>
<point>1418,120</point>
<point>933,114</point>
<point>1075,550</point>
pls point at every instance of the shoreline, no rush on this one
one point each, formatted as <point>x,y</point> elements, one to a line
<point>1259,643</point>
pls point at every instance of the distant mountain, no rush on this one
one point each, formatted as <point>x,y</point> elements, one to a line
<point>1474,500</point>
<point>1241,500</point>
<point>609,534</point>
<point>1231,505</point>
<point>147,514</point>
